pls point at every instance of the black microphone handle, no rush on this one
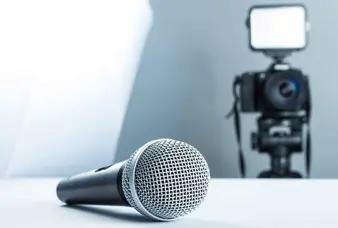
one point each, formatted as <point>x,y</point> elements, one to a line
<point>98,187</point>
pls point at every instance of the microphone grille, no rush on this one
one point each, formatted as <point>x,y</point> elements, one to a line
<point>166,179</point>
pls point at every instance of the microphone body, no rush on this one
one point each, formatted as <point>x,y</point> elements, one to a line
<point>98,187</point>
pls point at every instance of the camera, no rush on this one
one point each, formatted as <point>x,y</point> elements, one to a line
<point>278,89</point>
<point>281,93</point>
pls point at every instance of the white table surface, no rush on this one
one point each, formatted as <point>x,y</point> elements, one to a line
<point>231,203</point>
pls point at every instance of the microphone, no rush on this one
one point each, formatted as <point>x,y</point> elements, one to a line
<point>163,180</point>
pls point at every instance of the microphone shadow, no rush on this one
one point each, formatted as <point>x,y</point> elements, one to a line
<point>109,213</point>
<point>129,216</point>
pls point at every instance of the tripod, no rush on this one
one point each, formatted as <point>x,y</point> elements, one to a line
<point>279,137</point>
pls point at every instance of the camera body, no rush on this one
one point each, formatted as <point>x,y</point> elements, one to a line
<point>280,89</point>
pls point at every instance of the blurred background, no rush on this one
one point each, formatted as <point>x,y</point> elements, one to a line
<point>66,114</point>
<point>183,87</point>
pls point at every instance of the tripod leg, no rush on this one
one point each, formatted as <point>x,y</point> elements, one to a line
<point>271,174</point>
<point>265,174</point>
<point>294,175</point>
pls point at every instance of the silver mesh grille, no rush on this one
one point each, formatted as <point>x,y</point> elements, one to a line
<point>171,179</point>
<point>126,181</point>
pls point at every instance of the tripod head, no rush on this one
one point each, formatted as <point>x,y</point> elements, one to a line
<point>279,137</point>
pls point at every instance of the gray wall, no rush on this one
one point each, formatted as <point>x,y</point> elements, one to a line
<point>183,87</point>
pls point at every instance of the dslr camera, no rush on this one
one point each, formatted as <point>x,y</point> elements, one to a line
<point>281,93</point>
<point>278,90</point>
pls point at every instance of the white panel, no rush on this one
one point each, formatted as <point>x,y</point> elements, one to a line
<point>84,56</point>
<point>14,84</point>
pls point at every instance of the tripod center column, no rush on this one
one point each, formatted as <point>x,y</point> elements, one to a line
<point>280,160</point>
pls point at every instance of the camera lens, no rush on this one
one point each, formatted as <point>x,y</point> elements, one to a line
<point>288,89</point>
<point>285,90</point>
